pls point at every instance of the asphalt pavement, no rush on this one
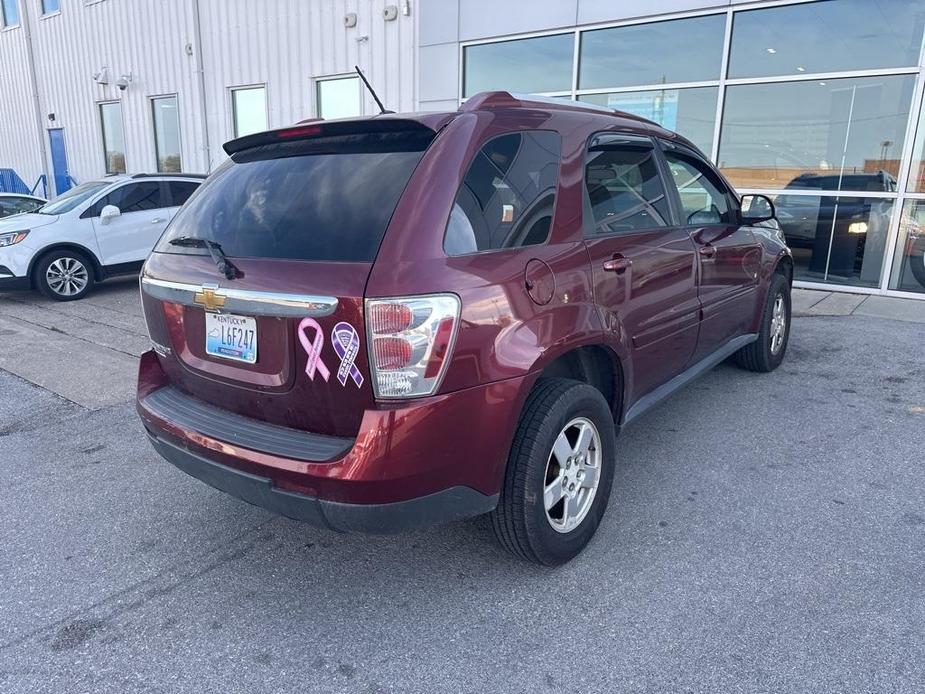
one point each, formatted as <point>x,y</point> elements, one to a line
<point>766,533</point>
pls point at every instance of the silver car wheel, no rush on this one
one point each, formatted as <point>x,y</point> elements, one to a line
<point>778,324</point>
<point>67,276</point>
<point>573,472</point>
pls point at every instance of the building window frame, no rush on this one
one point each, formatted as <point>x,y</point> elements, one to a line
<point>151,102</point>
<point>316,90</point>
<point>44,13</point>
<point>233,115</point>
<point>4,23</point>
<point>99,109</point>
<point>899,197</point>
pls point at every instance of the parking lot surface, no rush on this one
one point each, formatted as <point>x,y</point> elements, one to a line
<point>766,533</point>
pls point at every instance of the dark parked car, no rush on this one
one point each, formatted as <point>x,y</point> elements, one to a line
<point>374,324</point>
<point>16,203</point>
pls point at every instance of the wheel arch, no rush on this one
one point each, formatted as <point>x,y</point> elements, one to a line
<point>67,246</point>
<point>596,364</point>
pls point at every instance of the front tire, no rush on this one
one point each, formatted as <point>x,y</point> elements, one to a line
<point>559,473</point>
<point>63,275</point>
<point>767,352</point>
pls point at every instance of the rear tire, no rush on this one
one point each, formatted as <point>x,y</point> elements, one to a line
<point>63,275</point>
<point>561,419</point>
<point>767,352</point>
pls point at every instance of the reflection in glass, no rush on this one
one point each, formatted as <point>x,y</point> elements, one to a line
<point>831,36</point>
<point>250,110</point>
<point>909,262</point>
<point>681,50</point>
<point>917,174</point>
<point>339,98</point>
<point>541,64</point>
<point>113,137</point>
<point>167,133</point>
<point>816,134</point>
<point>839,240</point>
<point>691,112</point>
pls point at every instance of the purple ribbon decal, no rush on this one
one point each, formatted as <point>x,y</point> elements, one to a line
<point>313,349</point>
<point>346,343</point>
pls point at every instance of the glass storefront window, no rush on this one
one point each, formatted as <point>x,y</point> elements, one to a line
<point>681,50</point>
<point>829,36</point>
<point>916,182</point>
<point>909,262</point>
<point>842,134</point>
<point>691,112</point>
<point>541,64</point>
<point>167,133</point>
<point>113,137</point>
<point>249,106</point>
<point>838,240</point>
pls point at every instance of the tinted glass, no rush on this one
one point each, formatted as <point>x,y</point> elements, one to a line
<point>830,36</point>
<point>339,98</point>
<point>113,138</point>
<point>839,239</point>
<point>683,50</point>
<point>691,112</point>
<point>250,110</point>
<point>11,206</point>
<point>541,64</point>
<point>74,197</point>
<point>909,263</point>
<point>508,195</point>
<point>625,190</point>
<point>10,11</point>
<point>703,201</point>
<point>167,133</point>
<point>134,197</point>
<point>775,134</point>
<point>290,202</point>
<point>180,191</point>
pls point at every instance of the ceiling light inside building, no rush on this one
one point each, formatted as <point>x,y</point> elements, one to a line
<point>772,51</point>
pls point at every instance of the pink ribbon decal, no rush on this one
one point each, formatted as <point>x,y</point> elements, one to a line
<point>313,349</point>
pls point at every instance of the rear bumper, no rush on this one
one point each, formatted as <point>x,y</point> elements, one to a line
<point>414,463</point>
<point>440,507</point>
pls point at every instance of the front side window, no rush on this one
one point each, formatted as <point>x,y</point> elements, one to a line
<point>50,6</point>
<point>249,106</point>
<point>625,190</point>
<point>9,9</point>
<point>167,134</point>
<point>703,201</point>
<point>134,197</point>
<point>113,137</point>
<point>338,97</point>
<point>508,194</point>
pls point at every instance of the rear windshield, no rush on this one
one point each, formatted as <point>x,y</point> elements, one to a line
<point>328,199</point>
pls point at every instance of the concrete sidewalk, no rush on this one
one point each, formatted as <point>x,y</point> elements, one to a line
<point>812,302</point>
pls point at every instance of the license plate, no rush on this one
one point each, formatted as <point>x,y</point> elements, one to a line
<point>231,337</point>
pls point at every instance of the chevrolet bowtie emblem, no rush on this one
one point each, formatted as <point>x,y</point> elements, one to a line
<point>208,299</point>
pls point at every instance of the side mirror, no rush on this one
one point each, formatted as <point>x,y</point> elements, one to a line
<point>757,209</point>
<point>109,212</point>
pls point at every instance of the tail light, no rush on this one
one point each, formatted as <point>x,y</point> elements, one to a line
<point>410,340</point>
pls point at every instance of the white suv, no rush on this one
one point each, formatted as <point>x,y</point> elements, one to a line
<point>97,230</point>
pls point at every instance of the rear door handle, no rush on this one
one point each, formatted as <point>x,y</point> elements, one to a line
<point>617,264</point>
<point>707,251</point>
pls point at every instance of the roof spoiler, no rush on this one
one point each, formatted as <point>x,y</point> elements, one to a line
<point>321,128</point>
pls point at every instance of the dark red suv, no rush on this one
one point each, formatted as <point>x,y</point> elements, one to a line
<point>373,324</point>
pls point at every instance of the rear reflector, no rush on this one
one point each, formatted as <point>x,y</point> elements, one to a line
<point>411,339</point>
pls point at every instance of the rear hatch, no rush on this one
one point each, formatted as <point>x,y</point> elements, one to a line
<point>254,295</point>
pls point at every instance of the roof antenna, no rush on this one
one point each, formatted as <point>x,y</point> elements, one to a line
<point>382,108</point>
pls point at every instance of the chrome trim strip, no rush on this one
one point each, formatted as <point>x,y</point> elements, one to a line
<point>244,300</point>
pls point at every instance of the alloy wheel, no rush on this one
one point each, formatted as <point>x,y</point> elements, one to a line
<point>573,472</point>
<point>778,324</point>
<point>67,276</point>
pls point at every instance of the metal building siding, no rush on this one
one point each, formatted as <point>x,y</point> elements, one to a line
<point>19,144</point>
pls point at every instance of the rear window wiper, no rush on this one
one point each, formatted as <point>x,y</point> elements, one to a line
<point>215,250</point>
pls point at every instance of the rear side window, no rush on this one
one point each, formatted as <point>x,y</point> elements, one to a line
<point>133,197</point>
<point>625,190</point>
<point>508,195</point>
<point>326,199</point>
<point>180,191</point>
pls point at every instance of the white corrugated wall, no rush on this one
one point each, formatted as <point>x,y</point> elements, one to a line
<point>284,44</point>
